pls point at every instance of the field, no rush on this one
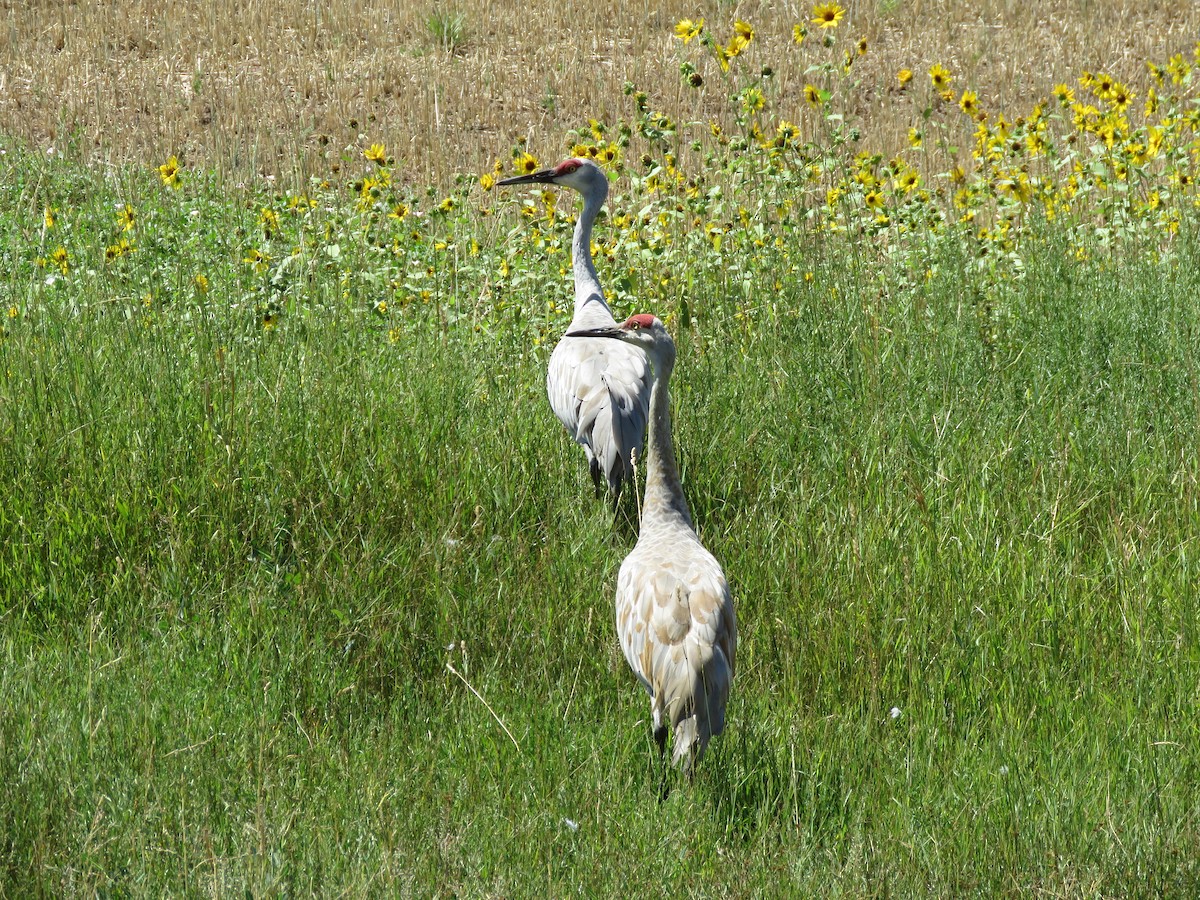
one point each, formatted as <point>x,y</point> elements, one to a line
<point>304,591</point>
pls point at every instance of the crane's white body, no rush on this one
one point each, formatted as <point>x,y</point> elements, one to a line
<point>598,388</point>
<point>675,616</point>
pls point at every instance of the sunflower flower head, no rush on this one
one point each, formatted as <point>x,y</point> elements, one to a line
<point>525,164</point>
<point>169,172</point>
<point>377,154</point>
<point>827,15</point>
<point>686,29</point>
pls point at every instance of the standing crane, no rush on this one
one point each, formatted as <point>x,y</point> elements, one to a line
<point>675,616</point>
<point>600,390</point>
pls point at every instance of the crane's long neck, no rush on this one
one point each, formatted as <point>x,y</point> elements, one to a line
<point>664,502</point>
<point>587,282</point>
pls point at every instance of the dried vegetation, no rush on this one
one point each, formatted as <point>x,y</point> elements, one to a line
<point>282,86</point>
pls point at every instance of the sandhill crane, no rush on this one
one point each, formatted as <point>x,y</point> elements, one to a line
<point>675,616</point>
<point>600,390</point>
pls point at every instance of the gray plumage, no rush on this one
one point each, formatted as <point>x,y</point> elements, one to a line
<point>675,617</point>
<point>599,389</point>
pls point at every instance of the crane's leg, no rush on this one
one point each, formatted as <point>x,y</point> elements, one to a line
<point>597,476</point>
<point>660,738</point>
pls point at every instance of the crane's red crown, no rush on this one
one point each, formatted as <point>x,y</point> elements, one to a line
<point>641,320</point>
<point>567,166</point>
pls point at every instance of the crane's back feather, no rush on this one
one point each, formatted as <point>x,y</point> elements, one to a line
<point>678,631</point>
<point>600,390</point>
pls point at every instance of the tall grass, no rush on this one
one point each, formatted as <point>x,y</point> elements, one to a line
<point>244,532</point>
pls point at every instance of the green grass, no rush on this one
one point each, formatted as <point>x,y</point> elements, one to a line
<point>235,562</point>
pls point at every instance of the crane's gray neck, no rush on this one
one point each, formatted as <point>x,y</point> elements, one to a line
<point>587,282</point>
<point>664,502</point>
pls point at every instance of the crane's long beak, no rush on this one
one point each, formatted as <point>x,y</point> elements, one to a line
<point>608,331</point>
<point>546,176</point>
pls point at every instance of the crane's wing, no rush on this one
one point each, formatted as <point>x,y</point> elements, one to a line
<point>678,632</point>
<point>600,390</point>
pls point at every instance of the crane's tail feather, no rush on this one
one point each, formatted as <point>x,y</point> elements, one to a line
<point>698,714</point>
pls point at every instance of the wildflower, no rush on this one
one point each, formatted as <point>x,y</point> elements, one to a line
<point>269,321</point>
<point>940,76</point>
<point>827,15</point>
<point>743,34</point>
<point>13,312</point>
<point>487,181</point>
<point>1156,72</point>
<point>799,33</point>
<point>1120,98</point>
<point>525,164</point>
<point>753,100</point>
<point>61,259</point>
<point>447,205</point>
<point>874,199</point>
<point>256,258</point>
<point>269,220</point>
<point>908,181</point>
<point>969,103</point>
<point>201,282</point>
<point>1064,94</point>
<point>169,172</point>
<point>399,211</point>
<point>1154,141</point>
<point>1103,86</point>
<point>916,137</point>
<point>812,94</point>
<point>1178,69</point>
<point>862,46</point>
<point>126,218</point>
<point>904,76</point>
<point>377,154</point>
<point>1151,103</point>
<point>686,29</point>
<point>48,216</point>
<point>119,249</point>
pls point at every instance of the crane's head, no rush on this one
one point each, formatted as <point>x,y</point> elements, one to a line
<point>581,174</point>
<point>642,330</point>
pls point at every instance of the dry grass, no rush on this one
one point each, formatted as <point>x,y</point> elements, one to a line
<point>284,86</point>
